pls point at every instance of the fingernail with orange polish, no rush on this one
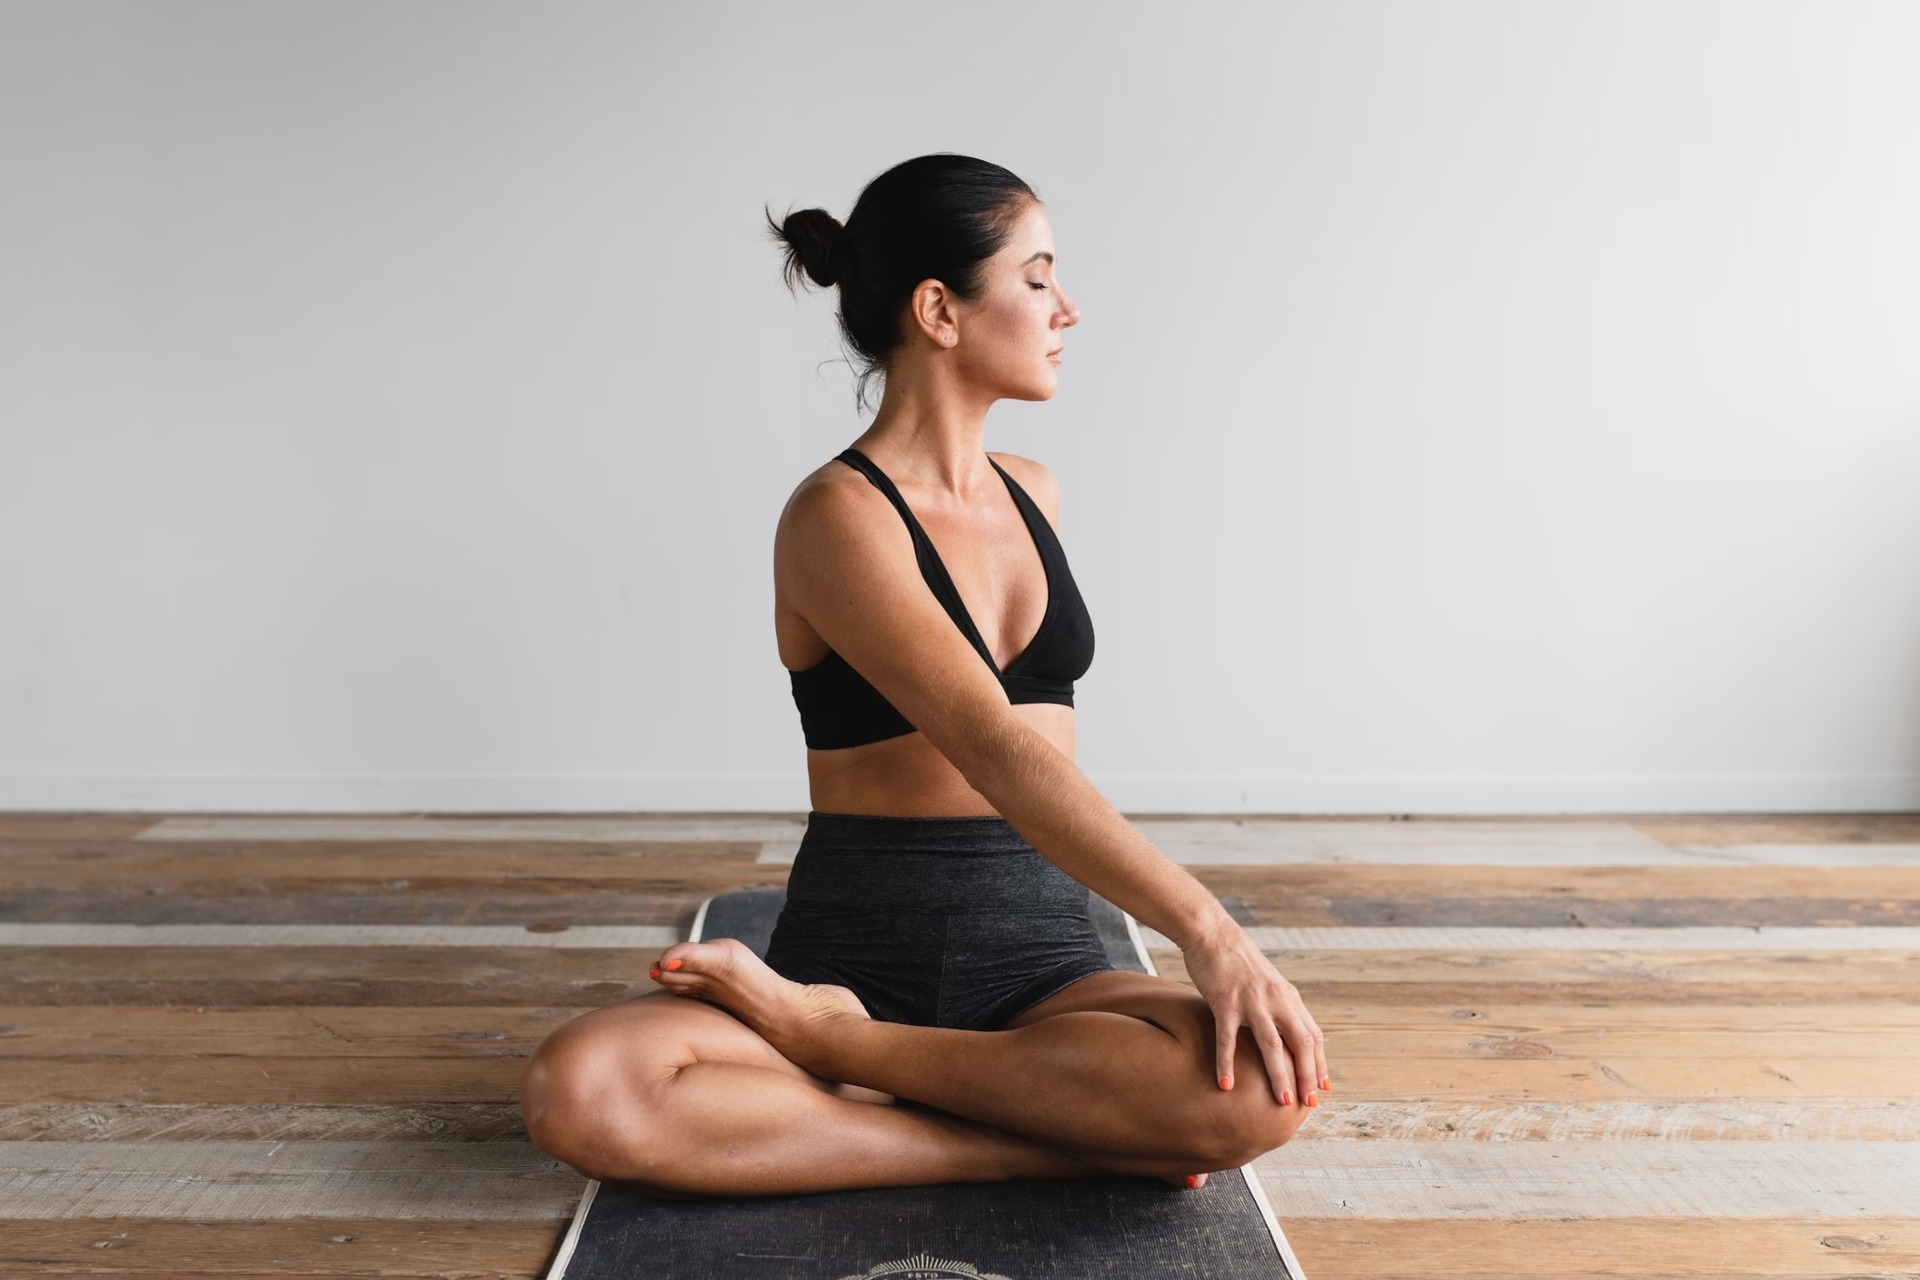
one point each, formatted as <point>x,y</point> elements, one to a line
<point>1286,1097</point>
<point>1313,1099</point>
<point>1325,1083</point>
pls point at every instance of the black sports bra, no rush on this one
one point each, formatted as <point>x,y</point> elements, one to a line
<point>838,708</point>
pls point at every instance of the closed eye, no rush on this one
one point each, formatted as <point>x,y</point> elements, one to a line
<point>1036,284</point>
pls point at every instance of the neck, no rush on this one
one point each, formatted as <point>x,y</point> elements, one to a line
<point>928,432</point>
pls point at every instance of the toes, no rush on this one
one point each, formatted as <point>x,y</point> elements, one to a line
<point>715,959</point>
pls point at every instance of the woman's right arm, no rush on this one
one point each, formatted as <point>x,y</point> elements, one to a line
<point>848,562</point>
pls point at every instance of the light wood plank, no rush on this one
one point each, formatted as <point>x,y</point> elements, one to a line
<point>1260,886</point>
<point>210,1180</point>
<point>629,937</point>
<point>1585,1180</point>
<point>1689,938</point>
<point>1643,1248</point>
<point>727,828</point>
<point>219,1181</point>
<point>1781,828</point>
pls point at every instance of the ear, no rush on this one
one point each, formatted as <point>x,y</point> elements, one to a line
<point>933,309</point>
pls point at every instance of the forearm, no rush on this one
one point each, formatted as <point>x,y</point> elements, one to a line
<point>1046,798</point>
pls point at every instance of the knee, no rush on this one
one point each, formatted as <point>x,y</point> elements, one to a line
<point>1253,1122</point>
<point>1235,1126</point>
<point>581,1105</point>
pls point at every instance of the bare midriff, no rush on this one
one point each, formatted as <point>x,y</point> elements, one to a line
<point>908,777</point>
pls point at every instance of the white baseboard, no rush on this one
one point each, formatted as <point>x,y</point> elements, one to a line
<point>787,793</point>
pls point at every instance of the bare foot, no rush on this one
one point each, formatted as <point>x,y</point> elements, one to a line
<point>790,1015</point>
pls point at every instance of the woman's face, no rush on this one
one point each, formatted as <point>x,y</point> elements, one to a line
<point>1010,337</point>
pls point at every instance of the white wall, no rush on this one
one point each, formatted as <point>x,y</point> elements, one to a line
<point>1502,406</point>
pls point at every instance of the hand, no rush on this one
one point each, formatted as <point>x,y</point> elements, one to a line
<point>1244,989</point>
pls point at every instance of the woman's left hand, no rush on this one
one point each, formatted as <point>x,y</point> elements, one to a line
<point>1245,990</point>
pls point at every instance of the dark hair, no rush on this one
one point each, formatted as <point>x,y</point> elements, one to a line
<point>937,216</point>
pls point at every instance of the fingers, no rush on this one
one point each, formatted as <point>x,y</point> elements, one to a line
<point>1320,1059</point>
<point>1226,1033</point>
<point>1280,1073</point>
<point>1308,1067</point>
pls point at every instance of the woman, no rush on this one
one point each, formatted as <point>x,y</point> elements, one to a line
<point>935,1005</point>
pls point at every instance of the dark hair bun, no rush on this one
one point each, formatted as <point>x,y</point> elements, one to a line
<point>813,239</point>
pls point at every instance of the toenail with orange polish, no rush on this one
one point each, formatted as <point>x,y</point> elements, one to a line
<point>674,963</point>
<point>1193,1179</point>
<point>1226,1082</point>
<point>655,971</point>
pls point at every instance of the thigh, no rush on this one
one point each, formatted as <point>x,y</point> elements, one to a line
<point>1174,1007</point>
<point>651,1036</point>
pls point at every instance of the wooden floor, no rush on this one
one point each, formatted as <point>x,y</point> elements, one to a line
<point>1623,1047</point>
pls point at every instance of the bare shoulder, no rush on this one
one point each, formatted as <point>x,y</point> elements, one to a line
<point>833,501</point>
<point>1039,482</point>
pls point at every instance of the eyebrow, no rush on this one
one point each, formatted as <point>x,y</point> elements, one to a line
<point>1036,257</point>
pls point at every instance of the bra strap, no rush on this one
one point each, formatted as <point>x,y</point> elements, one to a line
<point>932,568</point>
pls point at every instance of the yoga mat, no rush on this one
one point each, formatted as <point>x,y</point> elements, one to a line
<point>1069,1228</point>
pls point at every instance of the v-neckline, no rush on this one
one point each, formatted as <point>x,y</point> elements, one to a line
<point>965,621</point>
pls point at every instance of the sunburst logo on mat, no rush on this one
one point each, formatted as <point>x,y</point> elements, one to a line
<point>923,1266</point>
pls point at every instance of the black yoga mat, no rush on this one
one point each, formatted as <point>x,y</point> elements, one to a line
<point>1069,1228</point>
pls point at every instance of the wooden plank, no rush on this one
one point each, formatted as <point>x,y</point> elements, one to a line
<point>224,1181</point>
<point>1657,1248</point>
<point>1468,1119</point>
<point>729,828</point>
<point>408,903</point>
<point>1654,1120</point>
<point>299,867</point>
<point>546,974</point>
<point>322,975</point>
<point>1701,937</point>
<point>238,1181</point>
<point>1572,1180</point>
<point>153,1032</point>
<point>1584,913</point>
<point>1261,887</point>
<point>1524,969</point>
<point>466,906</point>
<point>335,1247</point>
<point>633,937</point>
<point>1622,1032</point>
<point>259,1079</point>
<point>293,1121</point>
<point>1782,828</point>
<point>75,826</point>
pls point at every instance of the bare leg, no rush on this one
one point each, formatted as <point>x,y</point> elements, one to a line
<point>1089,1083</point>
<point>598,1095</point>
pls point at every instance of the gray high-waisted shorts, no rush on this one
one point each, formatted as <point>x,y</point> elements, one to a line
<point>939,922</point>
